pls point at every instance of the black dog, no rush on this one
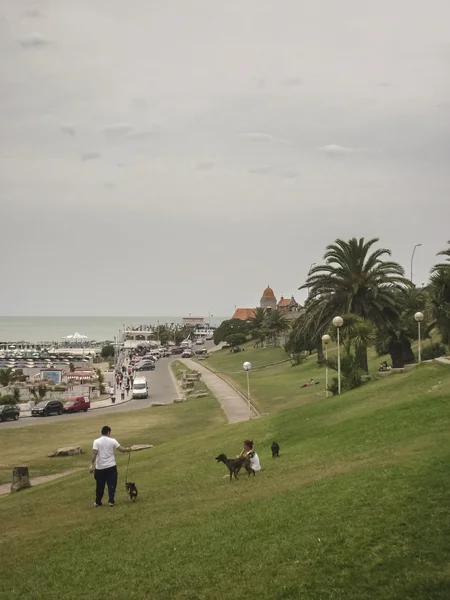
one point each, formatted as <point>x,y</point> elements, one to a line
<point>132,490</point>
<point>275,449</point>
<point>235,464</point>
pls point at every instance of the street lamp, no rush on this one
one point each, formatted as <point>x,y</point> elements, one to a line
<point>412,259</point>
<point>247,366</point>
<point>325,341</point>
<point>338,322</point>
<point>419,317</point>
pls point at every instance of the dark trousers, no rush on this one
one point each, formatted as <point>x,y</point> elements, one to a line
<point>108,477</point>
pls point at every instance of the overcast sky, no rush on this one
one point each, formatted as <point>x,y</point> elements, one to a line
<point>176,156</point>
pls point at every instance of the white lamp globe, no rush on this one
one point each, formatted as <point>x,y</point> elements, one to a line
<point>418,316</point>
<point>338,321</point>
<point>326,339</point>
<point>247,366</point>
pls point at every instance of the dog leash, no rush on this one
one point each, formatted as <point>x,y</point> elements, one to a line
<point>128,464</point>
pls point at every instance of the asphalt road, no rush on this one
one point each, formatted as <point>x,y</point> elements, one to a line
<point>160,387</point>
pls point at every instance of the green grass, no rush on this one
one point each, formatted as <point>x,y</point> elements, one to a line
<point>277,386</point>
<point>356,508</point>
<point>30,444</point>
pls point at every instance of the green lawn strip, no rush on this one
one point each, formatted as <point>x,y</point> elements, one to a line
<point>356,507</point>
<point>30,445</point>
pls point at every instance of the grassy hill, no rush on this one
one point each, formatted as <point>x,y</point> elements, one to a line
<point>275,383</point>
<point>356,508</point>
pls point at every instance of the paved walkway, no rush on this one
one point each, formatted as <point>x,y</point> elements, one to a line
<point>234,406</point>
<point>6,487</point>
<point>442,360</point>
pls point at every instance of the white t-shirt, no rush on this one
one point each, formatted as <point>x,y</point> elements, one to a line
<point>254,463</point>
<point>105,447</point>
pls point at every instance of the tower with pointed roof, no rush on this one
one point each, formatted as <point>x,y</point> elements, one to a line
<point>268,300</point>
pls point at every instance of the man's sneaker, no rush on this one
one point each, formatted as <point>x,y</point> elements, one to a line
<point>111,503</point>
<point>96,505</point>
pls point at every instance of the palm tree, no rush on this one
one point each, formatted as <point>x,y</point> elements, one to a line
<point>259,318</point>
<point>277,324</point>
<point>355,279</point>
<point>7,377</point>
<point>439,297</point>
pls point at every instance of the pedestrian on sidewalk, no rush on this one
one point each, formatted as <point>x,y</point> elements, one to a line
<point>103,465</point>
<point>112,394</point>
<point>122,392</point>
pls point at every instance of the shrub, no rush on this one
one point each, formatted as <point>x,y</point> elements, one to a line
<point>8,399</point>
<point>433,351</point>
<point>107,351</point>
<point>236,339</point>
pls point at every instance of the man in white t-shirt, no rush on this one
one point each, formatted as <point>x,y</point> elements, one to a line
<point>104,463</point>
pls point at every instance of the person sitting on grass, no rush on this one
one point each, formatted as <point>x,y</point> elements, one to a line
<point>254,460</point>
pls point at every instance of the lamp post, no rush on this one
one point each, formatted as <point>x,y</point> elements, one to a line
<point>247,366</point>
<point>412,259</point>
<point>419,317</point>
<point>325,341</point>
<point>338,322</point>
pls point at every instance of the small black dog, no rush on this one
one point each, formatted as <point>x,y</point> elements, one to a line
<point>275,450</point>
<point>132,490</point>
<point>235,464</point>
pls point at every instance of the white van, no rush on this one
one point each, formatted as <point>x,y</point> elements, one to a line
<point>140,388</point>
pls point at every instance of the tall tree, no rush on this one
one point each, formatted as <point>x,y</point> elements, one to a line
<point>277,324</point>
<point>439,297</point>
<point>356,279</point>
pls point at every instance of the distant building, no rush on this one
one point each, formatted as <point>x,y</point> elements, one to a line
<point>287,306</point>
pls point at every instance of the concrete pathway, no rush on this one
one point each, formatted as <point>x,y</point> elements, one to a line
<point>234,405</point>
<point>6,487</point>
<point>442,360</point>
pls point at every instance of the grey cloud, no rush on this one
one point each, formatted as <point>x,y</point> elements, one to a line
<point>258,137</point>
<point>336,150</point>
<point>206,165</point>
<point>109,185</point>
<point>260,171</point>
<point>34,12</point>
<point>142,135</point>
<point>292,81</point>
<point>90,156</point>
<point>289,174</point>
<point>34,40</point>
<point>68,128</point>
<point>117,130</point>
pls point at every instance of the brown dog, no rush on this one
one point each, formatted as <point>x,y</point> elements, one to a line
<point>235,464</point>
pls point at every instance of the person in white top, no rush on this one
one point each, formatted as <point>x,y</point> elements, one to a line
<point>103,465</point>
<point>254,460</point>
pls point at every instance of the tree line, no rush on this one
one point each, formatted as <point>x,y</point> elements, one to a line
<point>363,285</point>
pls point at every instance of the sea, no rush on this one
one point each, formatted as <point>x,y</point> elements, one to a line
<point>54,329</point>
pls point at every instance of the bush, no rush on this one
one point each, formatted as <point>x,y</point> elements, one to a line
<point>8,399</point>
<point>107,351</point>
<point>433,351</point>
<point>236,339</point>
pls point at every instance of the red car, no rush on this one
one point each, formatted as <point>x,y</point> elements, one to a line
<point>77,404</point>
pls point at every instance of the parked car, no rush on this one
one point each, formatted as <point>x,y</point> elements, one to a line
<point>150,356</point>
<point>145,366</point>
<point>177,350</point>
<point>47,407</point>
<point>77,404</point>
<point>187,353</point>
<point>200,342</point>
<point>140,388</point>
<point>202,351</point>
<point>167,352</point>
<point>7,411</point>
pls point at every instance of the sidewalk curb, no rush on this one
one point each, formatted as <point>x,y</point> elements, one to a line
<point>91,408</point>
